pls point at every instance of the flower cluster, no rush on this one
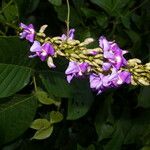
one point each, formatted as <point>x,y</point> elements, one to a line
<point>105,65</point>
<point>112,53</point>
<point>101,82</point>
<point>43,51</point>
<point>113,61</point>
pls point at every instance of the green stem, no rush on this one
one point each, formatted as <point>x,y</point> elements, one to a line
<point>68,18</point>
<point>34,82</point>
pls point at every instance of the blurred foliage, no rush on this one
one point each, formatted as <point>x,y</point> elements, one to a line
<point>70,116</point>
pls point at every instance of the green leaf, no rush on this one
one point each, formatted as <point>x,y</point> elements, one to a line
<point>105,4</point>
<point>40,124</point>
<point>26,7</point>
<point>102,20</point>
<point>55,117</point>
<point>135,38</point>
<point>146,148</point>
<point>121,128</point>
<point>43,133</point>
<point>15,68</point>
<point>81,102</point>
<point>14,51</point>
<point>11,17</point>
<point>44,98</point>
<point>112,7</point>
<point>103,129</point>
<point>91,147</point>
<point>89,12</point>
<point>126,20</point>
<point>144,97</point>
<point>140,123</point>
<point>16,116</point>
<point>56,84</point>
<point>116,141</point>
<point>12,79</point>
<point>56,2</point>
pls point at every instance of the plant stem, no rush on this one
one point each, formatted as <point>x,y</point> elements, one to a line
<point>68,18</point>
<point>34,82</point>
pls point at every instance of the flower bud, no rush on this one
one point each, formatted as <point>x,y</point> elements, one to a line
<point>134,62</point>
<point>60,53</point>
<point>98,61</point>
<point>143,81</point>
<point>132,81</point>
<point>147,66</point>
<point>42,29</point>
<point>98,56</point>
<point>82,56</point>
<point>86,41</point>
<point>73,42</point>
<point>50,62</point>
<point>74,55</point>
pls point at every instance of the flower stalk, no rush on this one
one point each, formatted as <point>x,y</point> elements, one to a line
<point>105,65</point>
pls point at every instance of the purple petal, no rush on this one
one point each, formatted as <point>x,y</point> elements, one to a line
<point>106,66</point>
<point>42,57</point>
<point>23,35</point>
<point>124,62</point>
<point>109,55</point>
<point>23,25</point>
<point>93,53</point>
<point>30,37</point>
<point>103,43</point>
<point>36,47</point>
<point>63,37</point>
<point>124,52</point>
<point>124,77</point>
<point>69,78</point>
<point>71,33</point>
<point>95,81</point>
<point>31,26</point>
<point>48,48</point>
<point>83,66</point>
<point>72,68</point>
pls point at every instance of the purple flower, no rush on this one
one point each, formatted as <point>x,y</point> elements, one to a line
<point>28,32</point>
<point>75,69</point>
<point>112,53</point>
<point>123,77</point>
<point>70,35</point>
<point>102,82</point>
<point>42,51</point>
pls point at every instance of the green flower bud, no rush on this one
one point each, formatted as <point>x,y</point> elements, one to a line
<point>50,62</point>
<point>74,55</point>
<point>73,42</point>
<point>147,66</point>
<point>42,29</point>
<point>134,62</point>
<point>60,53</point>
<point>86,42</point>
<point>98,61</point>
<point>82,56</point>
<point>143,81</point>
